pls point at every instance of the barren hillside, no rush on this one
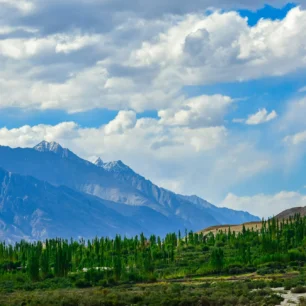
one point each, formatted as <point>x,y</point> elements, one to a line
<point>255,225</point>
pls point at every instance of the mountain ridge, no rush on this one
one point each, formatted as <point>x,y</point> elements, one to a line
<point>126,192</point>
<point>141,183</point>
<point>34,209</point>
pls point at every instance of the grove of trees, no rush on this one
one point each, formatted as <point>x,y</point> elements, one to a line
<point>277,245</point>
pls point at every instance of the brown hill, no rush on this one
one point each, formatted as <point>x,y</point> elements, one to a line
<point>234,228</point>
<point>291,212</point>
<point>254,225</point>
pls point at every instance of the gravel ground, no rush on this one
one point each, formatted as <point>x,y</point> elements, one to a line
<point>290,298</point>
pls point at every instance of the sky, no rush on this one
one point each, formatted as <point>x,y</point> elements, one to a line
<point>205,97</point>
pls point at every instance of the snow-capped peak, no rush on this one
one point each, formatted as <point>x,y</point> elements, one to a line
<point>48,146</point>
<point>113,166</point>
<point>52,146</point>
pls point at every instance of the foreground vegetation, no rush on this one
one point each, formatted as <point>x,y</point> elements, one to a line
<point>188,269</point>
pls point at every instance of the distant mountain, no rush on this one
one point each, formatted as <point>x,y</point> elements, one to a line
<point>33,209</point>
<point>291,212</point>
<point>54,147</point>
<point>223,215</point>
<point>151,208</point>
<point>191,208</point>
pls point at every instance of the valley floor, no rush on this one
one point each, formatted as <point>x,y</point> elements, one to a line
<point>209,291</point>
<point>221,269</point>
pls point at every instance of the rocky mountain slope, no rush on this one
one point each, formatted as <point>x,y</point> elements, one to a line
<point>125,192</point>
<point>187,206</point>
<point>34,209</point>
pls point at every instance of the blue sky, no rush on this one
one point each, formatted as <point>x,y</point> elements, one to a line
<point>203,98</point>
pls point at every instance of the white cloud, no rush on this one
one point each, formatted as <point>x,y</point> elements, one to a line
<point>29,136</point>
<point>260,117</point>
<point>222,47</point>
<point>23,48</point>
<point>70,44</point>
<point>265,205</point>
<point>296,139</point>
<point>159,57</point>
<point>8,29</point>
<point>198,111</point>
<point>23,5</point>
<point>124,120</point>
<point>157,9</point>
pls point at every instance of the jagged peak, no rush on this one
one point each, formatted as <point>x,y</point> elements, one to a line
<point>48,146</point>
<point>116,166</point>
<point>52,146</point>
<point>99,162</point>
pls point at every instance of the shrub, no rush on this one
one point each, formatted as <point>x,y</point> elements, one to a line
<point>264,271</point>
<point>299,289</point>
<point>302,301</point>
<point>82,283</point>
<point>276,283</point>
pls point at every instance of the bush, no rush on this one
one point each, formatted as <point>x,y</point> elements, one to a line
<point>274,299</point>
<point>276,283</point>
<point>295,282</point>
<point>259,284</point>
<point>82,283</point>
<point>264,271</point>
<point>302,301</point>
<point>299,289</point>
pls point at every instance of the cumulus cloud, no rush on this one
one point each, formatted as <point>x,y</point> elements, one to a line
<point>264,205</point>
<point>93,10</point>
<point>198,111</point>
<point>29,136</point>
<point>161,55</point>
<point>261,116</point>
<point>206,49</point>
<point>124,120</point>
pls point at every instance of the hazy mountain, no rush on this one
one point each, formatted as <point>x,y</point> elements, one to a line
<point>127,193</point>
<point>223,215</point>
<point>200,212</point>
<point>33,209</point>
<point>69,170</point>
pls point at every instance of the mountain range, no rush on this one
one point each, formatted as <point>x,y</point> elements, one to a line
<point>49,191</point>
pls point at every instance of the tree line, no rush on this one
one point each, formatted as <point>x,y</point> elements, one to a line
<point>145,258</point>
